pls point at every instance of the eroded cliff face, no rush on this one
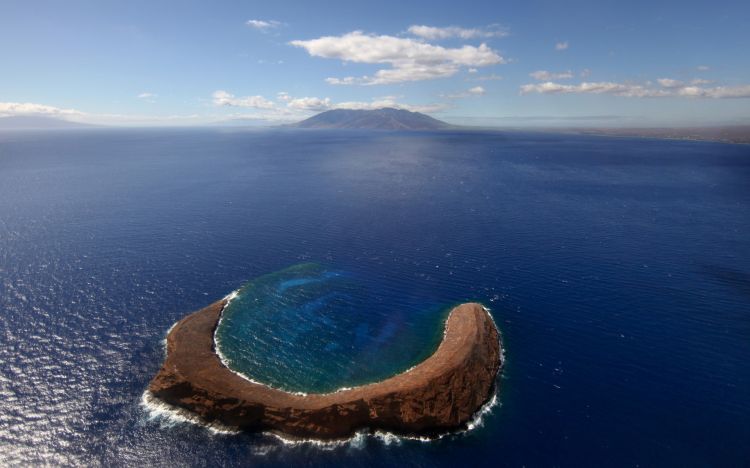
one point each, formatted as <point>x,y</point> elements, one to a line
<point>439,394</point>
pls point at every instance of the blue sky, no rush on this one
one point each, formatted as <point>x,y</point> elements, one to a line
<point>542,63</point>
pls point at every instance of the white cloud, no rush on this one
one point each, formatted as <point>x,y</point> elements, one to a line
<point>718,92</point>
<point>8,109</point>
<point>472,70</point>
<point>349,80</point>
<point>603,87</point>
<point>288,107</point>
<point>703,68</point>
<point>389,101</point>
<point>310,104</point>
<point>148,97</point>
<point>409,59</point>
<point>544,75</point>
<point>263,25</point>
<point>436,33</point>
<point>585,73</point>
<point>669,83</point>
<point>223,98</point>
<point>316,104</point>
<point>562,45</point>
<point>669,88</point>
<point>475,91</point>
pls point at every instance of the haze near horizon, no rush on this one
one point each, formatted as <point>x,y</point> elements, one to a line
<point>616,65</point>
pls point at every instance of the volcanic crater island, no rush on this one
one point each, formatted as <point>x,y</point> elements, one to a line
<point>438,395</point>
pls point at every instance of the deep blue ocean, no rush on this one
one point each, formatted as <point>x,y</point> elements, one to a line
<point>617,269</point>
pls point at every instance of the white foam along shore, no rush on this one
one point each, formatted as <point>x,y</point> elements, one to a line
<point>224,361</point>
<point>158,410</point>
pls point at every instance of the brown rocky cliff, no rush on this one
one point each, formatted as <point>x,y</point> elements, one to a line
<point>437,395</point>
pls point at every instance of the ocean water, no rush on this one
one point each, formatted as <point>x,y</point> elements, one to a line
<point>309,328</point>
<point>617,269</point>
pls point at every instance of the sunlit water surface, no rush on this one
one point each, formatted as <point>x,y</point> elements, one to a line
<point>617,269</point>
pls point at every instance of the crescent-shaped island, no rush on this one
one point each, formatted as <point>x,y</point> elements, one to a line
<point>440,394</point>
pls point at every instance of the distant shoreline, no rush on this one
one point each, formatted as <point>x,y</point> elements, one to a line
<point>736,135</point>
<point>728,134</point>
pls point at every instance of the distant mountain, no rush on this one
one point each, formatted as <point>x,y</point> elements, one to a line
<point>381,119</point>
<point>37,122</point>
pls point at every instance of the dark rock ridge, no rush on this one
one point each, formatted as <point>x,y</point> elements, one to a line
<point>440,394</point>
<point>378,119</point>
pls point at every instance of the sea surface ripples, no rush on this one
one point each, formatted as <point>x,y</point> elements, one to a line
<point>618,271</point>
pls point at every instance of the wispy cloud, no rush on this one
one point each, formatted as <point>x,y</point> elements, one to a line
<point>475,91</point>
<point>667,88</point>
<point>223,98</point>
<point>602,87</point>
<point>390,101</point>
<point>544,75</point>
<point>562,45</point>
<point>288,106</point>
<point>148,97</point>
<point>8,109</point>
<point>702,68</point>
<point>318,105</point>
<point>409,59</point>
<point>669,83</point>
<point>263,25</point>
<point>717,92</point>
<point>436,33</point>
<point>310,104</point>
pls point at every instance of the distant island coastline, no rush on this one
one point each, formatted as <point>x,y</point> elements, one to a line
<point>386,118</point>
<point>734,134</point>
<point>438,395</point>
<point>399,119</point>
<point>393,119</point>
<point>40,122</point>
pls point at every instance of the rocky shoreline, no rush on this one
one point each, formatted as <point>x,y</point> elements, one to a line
<point>438,395</point>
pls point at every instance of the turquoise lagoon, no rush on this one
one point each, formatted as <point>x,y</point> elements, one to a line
<point>311,328</point>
